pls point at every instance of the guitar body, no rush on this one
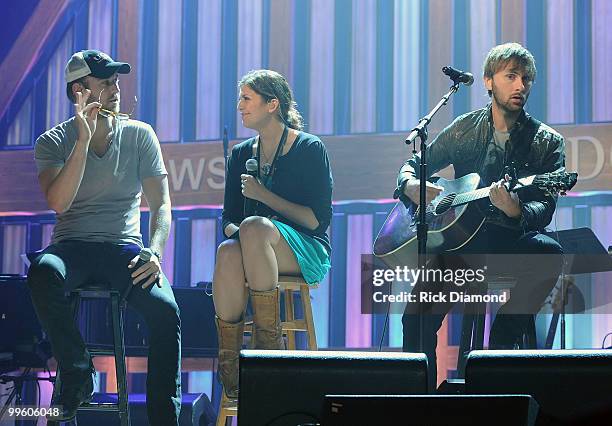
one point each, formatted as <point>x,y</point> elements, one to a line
<point>449,228</point>
<point>454,216</point>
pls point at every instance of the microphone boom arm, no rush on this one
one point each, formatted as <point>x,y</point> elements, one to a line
<point>421,128</point>
<point>420,131</point>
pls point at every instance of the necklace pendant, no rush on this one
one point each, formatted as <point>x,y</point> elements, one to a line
<point>266,168</point>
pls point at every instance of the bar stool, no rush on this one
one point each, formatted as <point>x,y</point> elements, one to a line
<point>117,349</point>
<point>290,325</point>
<point>473,323</point>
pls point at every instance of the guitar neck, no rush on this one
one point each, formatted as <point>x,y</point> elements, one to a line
<point>549,182</point>
<point>478,194</point>
<point>468,197</point>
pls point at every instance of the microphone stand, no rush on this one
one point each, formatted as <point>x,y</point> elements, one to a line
<point>420,131</point>
<point>563,302</point>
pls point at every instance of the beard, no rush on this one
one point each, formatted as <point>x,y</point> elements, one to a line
<point>508,105</point>
<point>106,104</point>
<point>113,106</point>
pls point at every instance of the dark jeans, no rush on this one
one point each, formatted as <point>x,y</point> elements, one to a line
<point>535,275</point>
<point>71,264</point>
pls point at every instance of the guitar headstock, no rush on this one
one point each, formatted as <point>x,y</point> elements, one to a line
<point>554,183</point>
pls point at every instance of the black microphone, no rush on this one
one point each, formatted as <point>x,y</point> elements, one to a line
<point>143,257</point>
<point>252,168</point>
<point>459,76</point>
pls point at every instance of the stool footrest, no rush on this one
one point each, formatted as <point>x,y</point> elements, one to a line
<point>98,351</point>
<point>297,325</point>
<point>99,406</point>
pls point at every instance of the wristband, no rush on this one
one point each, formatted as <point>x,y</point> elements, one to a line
<point>156,253</point>
<point>147,252</point>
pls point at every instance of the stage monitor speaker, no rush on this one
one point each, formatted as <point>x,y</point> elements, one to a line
<point>430,410</point>
<point>196,410</point>
<point>571,386</point>
<point>289,387</point>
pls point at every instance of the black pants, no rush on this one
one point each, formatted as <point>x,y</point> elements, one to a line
<point>533,259</point>
<point>70,264</point>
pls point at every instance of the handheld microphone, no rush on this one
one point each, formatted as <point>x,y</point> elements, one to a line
<point>458,76</point>
<point>143,257</point>
<point>252,168</point>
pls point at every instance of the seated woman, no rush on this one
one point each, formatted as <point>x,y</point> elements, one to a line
<point>275,222</point>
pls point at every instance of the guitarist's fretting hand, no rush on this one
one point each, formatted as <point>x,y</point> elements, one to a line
<point>411,189</point>
<point>504,200</point>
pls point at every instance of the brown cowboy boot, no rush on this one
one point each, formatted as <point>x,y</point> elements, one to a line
<point>267,330</point>
<point>230,342</point>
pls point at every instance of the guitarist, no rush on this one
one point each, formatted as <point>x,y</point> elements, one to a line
<point>492,141</point>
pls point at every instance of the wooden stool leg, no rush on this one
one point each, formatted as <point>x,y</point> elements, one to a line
<point>227,409</point>
<point>289,316</point>
<point>307,308</point>
<point>222,417</point>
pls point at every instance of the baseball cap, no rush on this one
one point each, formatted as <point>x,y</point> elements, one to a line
<point>95,63</point>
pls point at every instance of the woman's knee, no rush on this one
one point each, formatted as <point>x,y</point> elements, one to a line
<point>256,229</point>
<point>229,271</point>
<point>229,253</point>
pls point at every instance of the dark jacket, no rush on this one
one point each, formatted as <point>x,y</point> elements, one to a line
<point>533,148</point>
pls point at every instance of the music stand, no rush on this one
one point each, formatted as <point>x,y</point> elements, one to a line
<point>583,254</point>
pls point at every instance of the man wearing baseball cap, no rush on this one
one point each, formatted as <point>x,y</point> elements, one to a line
<point>93,170</point>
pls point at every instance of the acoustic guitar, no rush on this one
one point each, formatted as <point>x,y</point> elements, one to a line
<point>454,216</point>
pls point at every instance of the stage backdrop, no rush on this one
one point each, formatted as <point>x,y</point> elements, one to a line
<point>364,167</point>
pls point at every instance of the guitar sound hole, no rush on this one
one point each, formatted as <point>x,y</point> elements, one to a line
<point>445,204</point>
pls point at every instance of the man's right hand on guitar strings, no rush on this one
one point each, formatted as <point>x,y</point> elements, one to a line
<point>411,189</point>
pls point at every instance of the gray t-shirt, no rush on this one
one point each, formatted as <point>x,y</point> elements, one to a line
<point>494,158</point>
<point>501,138</point>
<point>107,204</point>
